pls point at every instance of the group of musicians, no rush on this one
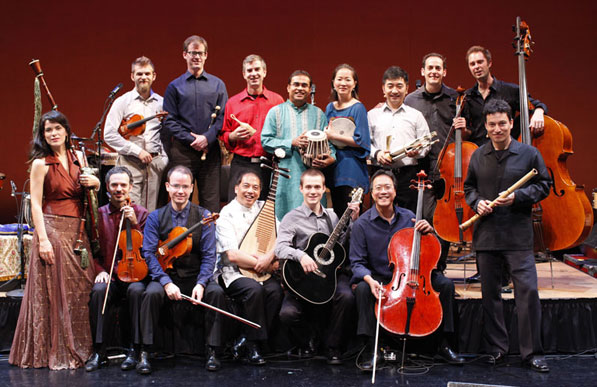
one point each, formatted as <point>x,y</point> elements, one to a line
<point>182,152</point>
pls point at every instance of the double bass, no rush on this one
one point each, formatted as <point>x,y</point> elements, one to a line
<point>410,306</point>
<point>563,219</point>
<point>451,209</point>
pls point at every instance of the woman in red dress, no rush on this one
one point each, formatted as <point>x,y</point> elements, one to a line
<point>53,328</point>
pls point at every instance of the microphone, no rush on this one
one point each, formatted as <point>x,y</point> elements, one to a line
<point>115,90</point>
<point>312,94</point>
<point>418,83</point>
<point>13,188</point>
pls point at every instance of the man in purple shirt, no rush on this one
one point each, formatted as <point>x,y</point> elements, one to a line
<point>191,274</point>
<point>144,298</point>
<point>187,133</point>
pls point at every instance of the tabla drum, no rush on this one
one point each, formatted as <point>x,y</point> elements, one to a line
<point>317,146</point>
<point>344,126</point>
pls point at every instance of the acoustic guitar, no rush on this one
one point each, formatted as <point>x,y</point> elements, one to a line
<point>319,287</point>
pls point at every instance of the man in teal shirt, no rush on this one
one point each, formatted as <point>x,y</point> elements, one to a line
<point>284,128</point>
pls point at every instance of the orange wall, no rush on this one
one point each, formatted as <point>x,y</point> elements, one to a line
<point>86,47</point>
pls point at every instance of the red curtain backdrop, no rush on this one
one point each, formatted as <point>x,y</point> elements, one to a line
<point>86,47</point>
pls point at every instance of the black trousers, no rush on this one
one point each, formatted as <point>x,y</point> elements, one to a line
<point>332,318</point>
<point>259,303</point>
<point>367,322</point>
<point>144,300</point>
<point>212,320</point>
<point>206,173</point>
<point>521,266</point>
<point>239,164</point>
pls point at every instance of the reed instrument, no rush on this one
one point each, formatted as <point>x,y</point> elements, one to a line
<point>503,195</point>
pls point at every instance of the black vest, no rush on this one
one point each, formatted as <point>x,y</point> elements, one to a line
<point>187,265</point>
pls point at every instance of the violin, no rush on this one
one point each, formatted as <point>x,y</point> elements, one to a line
<point>410,306</point>
<point>135,124</point>
<point>179,242</point>
<point>451,209</point>
<point>132,266</point>
<point>564,219</point>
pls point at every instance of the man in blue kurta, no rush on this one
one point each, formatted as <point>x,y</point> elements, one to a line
<point>284,128</point>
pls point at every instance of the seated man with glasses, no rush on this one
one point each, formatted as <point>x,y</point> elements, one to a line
<point>191,274</point>
<point>187,133</point>
<point>369,241</point>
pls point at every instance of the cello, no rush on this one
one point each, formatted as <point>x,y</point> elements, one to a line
<point>451,208</point>
<point>563,219</point>
<point>410,306</point>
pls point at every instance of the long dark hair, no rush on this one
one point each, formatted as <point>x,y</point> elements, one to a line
<point>355,91</point>
<point>39,146</point>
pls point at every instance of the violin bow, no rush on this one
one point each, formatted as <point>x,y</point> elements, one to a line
<point>112,266</point>
<point>376,336</point>
<point>208,306</point>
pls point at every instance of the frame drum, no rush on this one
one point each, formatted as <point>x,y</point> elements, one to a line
<point>344,126</point>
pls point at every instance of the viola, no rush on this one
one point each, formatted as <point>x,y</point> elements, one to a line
<point>410,305</point>
<point>132,266</point>
<point>564,219</point>
<point>179,242</point>
<point>451,209</point>
<point>135,124</point>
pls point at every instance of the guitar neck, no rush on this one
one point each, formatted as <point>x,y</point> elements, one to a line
<point>338,229</point>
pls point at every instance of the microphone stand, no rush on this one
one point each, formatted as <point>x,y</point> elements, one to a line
<point>100,139</point>
<point>20,290</point>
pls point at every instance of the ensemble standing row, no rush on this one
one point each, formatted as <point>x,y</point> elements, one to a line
<point>185,150</point>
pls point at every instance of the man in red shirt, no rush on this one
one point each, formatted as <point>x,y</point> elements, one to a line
<point>250,106</point>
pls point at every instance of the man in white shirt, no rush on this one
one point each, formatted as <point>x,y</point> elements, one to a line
<point>142,154</point>
<point>403,125</point>
<point>260,301</point>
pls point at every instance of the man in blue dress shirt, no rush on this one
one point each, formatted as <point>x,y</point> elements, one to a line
<point>191,274</point>
<point>187,135</point>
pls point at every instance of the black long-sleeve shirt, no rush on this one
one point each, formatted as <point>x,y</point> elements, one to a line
<point>473,108</point>
<point>507,227</point>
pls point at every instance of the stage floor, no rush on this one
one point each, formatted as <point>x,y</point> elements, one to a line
<point>568,282</point>
<point>189,371</point>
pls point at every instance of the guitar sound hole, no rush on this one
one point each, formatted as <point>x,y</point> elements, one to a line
<point>323,256</point>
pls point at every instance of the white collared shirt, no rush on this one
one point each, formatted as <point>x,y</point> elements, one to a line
<point>404,126</point>
<point>232,225</point>
<point>123,108</point>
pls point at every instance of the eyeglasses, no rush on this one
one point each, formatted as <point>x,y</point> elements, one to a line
<point>298,84</point>
<point>196,53</point>
<point>177,187</point>
<point>385,187</point>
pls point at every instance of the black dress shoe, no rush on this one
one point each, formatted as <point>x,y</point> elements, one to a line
<point>445,353</point>
<point>95,361</point>
<point>367,365</point>
<point>212,363</point>
<point>131,360</point>
<point>253,355</point>
<point>537,363</point>
<point>475,278</point>
<point>239,347</point>
<point>334,357</point>
<point>497,358</point>
<point>143,366</point>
